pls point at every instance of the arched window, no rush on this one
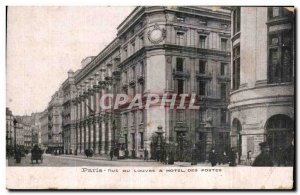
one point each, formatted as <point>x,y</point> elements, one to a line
<point>280,135</point>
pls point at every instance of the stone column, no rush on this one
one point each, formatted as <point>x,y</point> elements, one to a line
<point>91,133</point>
<point>82,136</point>
<point>96,145</point>
<point>102,137</point>
<point>109,134</point>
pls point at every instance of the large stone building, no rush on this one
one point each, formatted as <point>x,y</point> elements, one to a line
<point>69,136</point>
<point>52,133</point>
<point>262,95</point>
<point>44,128</point>
<point>173,50</point>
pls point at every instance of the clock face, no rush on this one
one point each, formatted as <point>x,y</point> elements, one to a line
<point>156,35</point>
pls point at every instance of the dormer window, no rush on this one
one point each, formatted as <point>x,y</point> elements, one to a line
<point>180,19</point>
<point>202,41</point>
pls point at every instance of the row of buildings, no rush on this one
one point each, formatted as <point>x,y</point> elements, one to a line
<point>22,131</point>
<point>238,60</point>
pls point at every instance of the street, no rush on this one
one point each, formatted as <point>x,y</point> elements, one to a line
<point>73,161</point>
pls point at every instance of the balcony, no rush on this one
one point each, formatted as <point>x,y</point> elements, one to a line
<point>203,76</point>
<point>132,82</point>
<point>141,78</point>
<point>224,78</point>
<point>180,74</point>
<point>102,84</point>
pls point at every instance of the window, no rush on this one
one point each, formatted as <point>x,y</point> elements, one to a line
<point>202,136</point>
<point>133,73</point>
<point>125,52</point>
<point>224,44</point>
<point>202,87</point>
<point>179,64</point>
<point>141,140</point>
<point>180,86</point>
<point>202,114</point>
<point>223,116</point>
<point>133,46</point>
<point>142,41</point>
<point>180,19</point>
<point>223,69</point>
<point>236,20</point>
<point>141,68</point>
<point>223,91</point>
<point>180,116</point>
<point>141,90</point>
<point>202,66</point>
<point>236,68</point>
<point>202,40</point>
<point>133,118</point>
<point>280,65</point>
<point>180,38</point>
<point>133,140</point>
<point>277,12</point>
<point>141,116</point>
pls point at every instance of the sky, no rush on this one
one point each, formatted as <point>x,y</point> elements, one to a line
<point>43,43</point>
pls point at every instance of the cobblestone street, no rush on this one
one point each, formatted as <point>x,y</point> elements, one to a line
<point>71,161</point>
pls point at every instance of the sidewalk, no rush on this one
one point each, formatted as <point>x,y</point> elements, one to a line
<point>105,157</point>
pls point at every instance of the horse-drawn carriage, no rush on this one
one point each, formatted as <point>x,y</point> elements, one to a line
<point>36,154</point>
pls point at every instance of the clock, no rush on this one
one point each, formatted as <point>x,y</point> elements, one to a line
<point>157,34</point>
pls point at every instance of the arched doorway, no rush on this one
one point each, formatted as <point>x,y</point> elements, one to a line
<point>236,137</point>
<point>280,136</point>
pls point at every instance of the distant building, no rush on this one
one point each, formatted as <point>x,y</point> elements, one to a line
<point>10,130</point>
<point>262,84</point>
<point>27,129</point>
<point>54,112</point>
<point>45,135</point>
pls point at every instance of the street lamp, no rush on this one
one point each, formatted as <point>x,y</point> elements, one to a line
<point>159,133</point>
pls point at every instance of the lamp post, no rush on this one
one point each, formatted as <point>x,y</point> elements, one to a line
<point>15,134</point>
<point>159,133</point>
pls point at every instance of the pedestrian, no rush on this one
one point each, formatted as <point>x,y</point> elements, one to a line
<point>18,155</point>
<point>111,154</point>
<point>194,156</point>
<point>146,154</point>
<point>263,159</point>
<point>232,158</point>
<point>133,155</point>
<point>249,160</point>
<point>126,153</point>
<point>213,157</point>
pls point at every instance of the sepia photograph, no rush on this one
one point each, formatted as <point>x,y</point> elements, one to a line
<point>153,93</point>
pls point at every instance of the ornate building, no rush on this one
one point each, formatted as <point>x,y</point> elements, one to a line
<point>181,50</point>
<point>262,95</point>
<point>173,50</point>
<point>54,131</point>
<point>69,136</point>
<point>44,128</point>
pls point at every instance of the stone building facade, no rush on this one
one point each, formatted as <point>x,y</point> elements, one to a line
<point>172,50</point>
<point>44,128</point>
<point>262,90</point>
<point>10,130</point>
<point>180,50</point>
<point>54,114</point>
<point>69,136</point>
